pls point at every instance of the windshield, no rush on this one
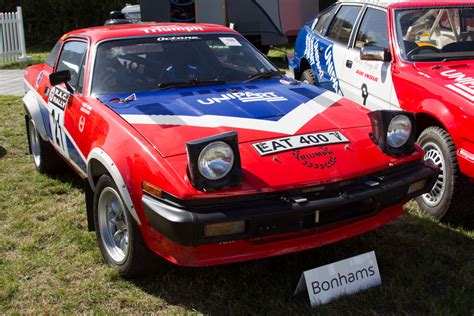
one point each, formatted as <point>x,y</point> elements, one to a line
<point>436,33</point>
<point>151,63</point>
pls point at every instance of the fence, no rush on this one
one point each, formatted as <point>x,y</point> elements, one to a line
<point>12,36</point>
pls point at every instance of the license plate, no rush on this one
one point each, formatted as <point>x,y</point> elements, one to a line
<point>301,141</point>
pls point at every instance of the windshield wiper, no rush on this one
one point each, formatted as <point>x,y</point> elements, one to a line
<point>189,83</point>
<point>266,74</point>
<point>458,58</point>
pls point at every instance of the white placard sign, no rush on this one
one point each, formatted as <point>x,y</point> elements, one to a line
<point>344,277</point>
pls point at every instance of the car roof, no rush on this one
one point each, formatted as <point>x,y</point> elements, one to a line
<point>409,3</point>
<point>99,33</point>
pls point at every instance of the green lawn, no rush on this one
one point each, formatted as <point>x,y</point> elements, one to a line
<point>36,58</point>
<point>49,263</point>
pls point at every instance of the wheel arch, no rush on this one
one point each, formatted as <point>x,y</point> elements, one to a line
<point>100,163</point>
<point>32,107</point>
<point>304,65</point>
<point>436,113</point>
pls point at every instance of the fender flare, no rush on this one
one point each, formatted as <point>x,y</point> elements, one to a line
<point>30,100</point>
<point>440,112</point>
<point>101,156</point>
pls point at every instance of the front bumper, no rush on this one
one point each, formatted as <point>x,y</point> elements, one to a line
<point>295,211</point>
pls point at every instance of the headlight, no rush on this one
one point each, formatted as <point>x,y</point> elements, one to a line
<point>216,160</point>
<point>399,131</point>
<point>393,131</point>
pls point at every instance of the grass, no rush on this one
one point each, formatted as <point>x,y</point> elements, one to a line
<point>36,58</point>
<point>49,263</point>
<point>278,56</point>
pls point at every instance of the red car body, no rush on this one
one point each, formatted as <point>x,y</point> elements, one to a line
<point>106,137</point>
<point>440,90</point>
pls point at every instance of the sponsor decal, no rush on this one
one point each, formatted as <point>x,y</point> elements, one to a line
<point>245,97</point>
<point>172,28</point>
<point>59,98</point>
<point>463,85</point>
<point>301,141</point>
<point>313,53</point>
<point>287,119</point>
<point>319,158</point>
<point>367,75</point>
<point>82,123</point>
<point>57,102</point>
<point>177,38</point>
<point>86,108</point>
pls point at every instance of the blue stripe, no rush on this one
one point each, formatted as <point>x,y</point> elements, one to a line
<point>212,100</point>
<point>74,155</point>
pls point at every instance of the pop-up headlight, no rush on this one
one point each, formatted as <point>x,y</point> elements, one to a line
<point>214,162</point>
<point>394,131</point>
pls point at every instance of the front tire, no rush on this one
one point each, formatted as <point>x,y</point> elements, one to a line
<point>308,77</point>
<point>119,239</point>
<point>439,147</point>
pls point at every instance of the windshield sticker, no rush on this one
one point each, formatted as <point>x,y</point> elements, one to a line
<point>172,28</point>
<point>245,97</point>
<point>230,41</point>
<point>464,85</point>
<point>177,38</point>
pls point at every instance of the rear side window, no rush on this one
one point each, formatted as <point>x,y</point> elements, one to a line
<point>53,55</point>
<point>71,59</point>
<point>342,25</point>
<point>324,20</point>
<point>373,30</point>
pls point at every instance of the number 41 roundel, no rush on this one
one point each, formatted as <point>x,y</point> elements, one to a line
<point>57,103</point>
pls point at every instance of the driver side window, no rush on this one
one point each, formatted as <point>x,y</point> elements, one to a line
<point>373,30</point>
<point>71,58</point>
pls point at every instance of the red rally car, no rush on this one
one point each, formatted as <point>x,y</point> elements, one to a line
<point>195,147</point>
<point>411,55</point>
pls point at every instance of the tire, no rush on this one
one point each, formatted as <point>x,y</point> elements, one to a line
<point>308,77</point>
<point>112,220</point>
<point>447,194</point>
<point>46,159</point>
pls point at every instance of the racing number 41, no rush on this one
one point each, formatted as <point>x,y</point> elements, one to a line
<point>56,129</point>
<point>58,101</point>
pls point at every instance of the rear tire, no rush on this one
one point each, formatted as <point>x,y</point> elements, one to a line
<point>120,241</point>
<point>308,77</point>
<point>446,196</point>
<point>46,159</point>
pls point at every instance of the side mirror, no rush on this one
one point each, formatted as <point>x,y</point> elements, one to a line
<point>375,53</point>
<point>59,77</point>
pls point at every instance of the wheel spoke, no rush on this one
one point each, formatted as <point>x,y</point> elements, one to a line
<point>118,236</point>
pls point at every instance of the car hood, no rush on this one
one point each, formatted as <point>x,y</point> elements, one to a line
<point>457,77</point>
<point>259,110</point>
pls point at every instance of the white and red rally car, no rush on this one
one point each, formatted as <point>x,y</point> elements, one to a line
<point>414,55</point>
<point>194,146</point>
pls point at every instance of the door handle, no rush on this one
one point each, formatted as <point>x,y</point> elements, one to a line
<point>349,63</point>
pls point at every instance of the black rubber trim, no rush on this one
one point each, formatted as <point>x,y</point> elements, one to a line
<point>284,212</point>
